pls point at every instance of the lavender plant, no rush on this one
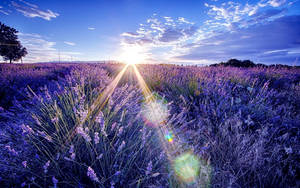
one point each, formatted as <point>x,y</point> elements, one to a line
<point>226,127</point>
<point>108,149</point>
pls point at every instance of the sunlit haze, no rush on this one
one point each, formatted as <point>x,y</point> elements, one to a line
<point>132,55</point>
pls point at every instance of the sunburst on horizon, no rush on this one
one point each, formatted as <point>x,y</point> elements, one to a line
<point>132,55</point>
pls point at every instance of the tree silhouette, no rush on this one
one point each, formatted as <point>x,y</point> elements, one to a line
<point>235,63</point>
<point>10,47</point>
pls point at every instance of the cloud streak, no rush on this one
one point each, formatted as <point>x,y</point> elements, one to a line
<point>69,43</point>
<point>32,11</point>
<point>41,50</point>
<point>3,11</point>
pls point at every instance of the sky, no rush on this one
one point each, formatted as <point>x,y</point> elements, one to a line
<point>187,32</point>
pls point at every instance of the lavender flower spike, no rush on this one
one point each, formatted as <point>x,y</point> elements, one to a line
<point>96,138</point>
<point>149,168</point>
<point>92,175</point>
<point>81,132</point>
<point>54,181</point>
<point>45,167</point>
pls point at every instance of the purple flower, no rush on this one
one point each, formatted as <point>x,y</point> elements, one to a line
<point>113,126</point>
<point>92,175</point>
<point>44,135</point>
<point>73,155</point>
<point>72,152</point>
<point>149,168</point>
<point>26,129</point>
<point>57,156</point>
<point>45,167</point>
<point>120,131</point>
<point>121,146</point>
<point>117,173</point>
<point>12,150</point>
<point>83,133</point>
<point>288,150</point>
<point>100,119</point>
<point>54,181</point>
<point>49,138</point>
<point>37,156</point>
<point>112,184</point>
<point>67,159</point>
<point>37,120</point>
<point>96,138</point>
<point>24,163</point>
<point>155,174</point>
<point>161,156</point>
<point>54,120</point>
<point>71,149</point>
<point>99,156</point>
<point>83,114</point>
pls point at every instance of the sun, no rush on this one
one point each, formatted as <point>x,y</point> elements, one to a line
<point>132,55</point>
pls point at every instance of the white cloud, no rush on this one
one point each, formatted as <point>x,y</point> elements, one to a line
<point>130,34</point>
<point>69,43</point>
<point>31,10</point>
<point>258,42</point>
<point>91,28</point>
<point>41,50</point>
<point>230,32</point>
<point>3,11</point>
<point>234,30</point>
<point>183,20</point>
<point>29,4</point>
<point>163,37</point>
<point>160,31</point>
<point>170,35</point>
<point>231,15</point>
<point>276,3</point>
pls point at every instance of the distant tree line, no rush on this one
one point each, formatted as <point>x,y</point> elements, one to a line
<point>10,47</point>
<point>247,64</point>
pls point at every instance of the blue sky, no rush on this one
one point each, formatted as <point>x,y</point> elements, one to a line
<point>184,32</point>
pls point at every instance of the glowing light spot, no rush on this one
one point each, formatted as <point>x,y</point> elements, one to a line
<point>133,55</point>
<point>169,136</point>
<point>155,113</point>
<point>186,167</point>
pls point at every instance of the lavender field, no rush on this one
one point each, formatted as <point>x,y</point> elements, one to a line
<point>116,125</point>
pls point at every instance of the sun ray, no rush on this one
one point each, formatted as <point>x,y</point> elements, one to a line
<point>103,98</point>
<point>99,102</point>
<point>185,164</point>
<point>145,89</point>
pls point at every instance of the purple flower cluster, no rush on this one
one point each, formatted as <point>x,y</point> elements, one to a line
<point>91,174</point>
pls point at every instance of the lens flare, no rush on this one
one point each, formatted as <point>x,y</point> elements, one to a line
<point>186,167</point>
<point>169,136</point>
<point>155,113</point>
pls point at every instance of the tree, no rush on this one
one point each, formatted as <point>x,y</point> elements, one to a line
<point>10,47</point>
<point>235,63</point>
